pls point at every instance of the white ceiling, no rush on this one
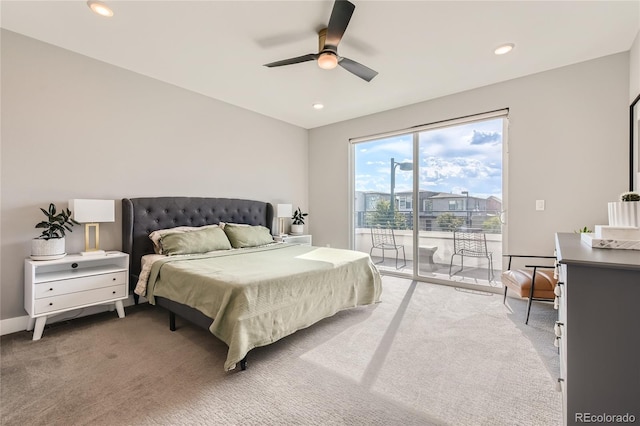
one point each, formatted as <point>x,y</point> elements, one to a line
<point>421,49</point>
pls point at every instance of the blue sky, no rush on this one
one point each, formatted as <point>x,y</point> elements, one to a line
<point>465,157</point>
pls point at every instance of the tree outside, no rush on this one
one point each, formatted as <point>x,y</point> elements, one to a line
<point>449,222</point>
<point>382,216</point>
<point>492,225</point>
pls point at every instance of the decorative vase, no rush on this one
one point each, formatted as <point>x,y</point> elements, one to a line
<point>297,229</point>
<point>624,213</point>
<point>53,248</point>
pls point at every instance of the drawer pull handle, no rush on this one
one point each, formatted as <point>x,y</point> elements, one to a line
<point>557,291</point>
<point>113,279</point>
<point>556,303</point>
<point>559,385</point>
<point>556,342</point>
<point>50,303</point>
<point>557,329</point>
<point>114,292</point>
<point>51,289</point>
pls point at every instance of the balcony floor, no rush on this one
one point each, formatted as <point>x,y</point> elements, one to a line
<point>469,275</point>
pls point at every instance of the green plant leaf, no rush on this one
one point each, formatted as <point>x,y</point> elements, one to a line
<point>57,223</point>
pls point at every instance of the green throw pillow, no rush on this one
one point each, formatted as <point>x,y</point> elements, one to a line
<point>242,236</point>
<point>195,242</point>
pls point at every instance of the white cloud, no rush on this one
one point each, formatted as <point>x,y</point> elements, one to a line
<point>452,159</point>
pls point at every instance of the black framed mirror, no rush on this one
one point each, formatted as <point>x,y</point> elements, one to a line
<point>634,148</point>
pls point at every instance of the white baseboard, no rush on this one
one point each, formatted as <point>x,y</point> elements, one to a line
<point>14,325</point>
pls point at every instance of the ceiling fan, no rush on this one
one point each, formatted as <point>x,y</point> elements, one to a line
<point>329,38</point>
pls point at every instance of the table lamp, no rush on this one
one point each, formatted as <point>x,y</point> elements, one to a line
<point>91,213</point>
<point>283,211</point>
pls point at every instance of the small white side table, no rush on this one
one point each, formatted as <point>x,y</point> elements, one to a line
<point>304,239</point>
<point>52,287</point>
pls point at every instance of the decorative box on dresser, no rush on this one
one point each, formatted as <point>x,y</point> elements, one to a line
<point>52,287</point>
<point>598,332</point>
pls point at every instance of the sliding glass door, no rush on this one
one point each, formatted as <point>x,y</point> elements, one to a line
<point>383,207</point>
<point>428,203</point>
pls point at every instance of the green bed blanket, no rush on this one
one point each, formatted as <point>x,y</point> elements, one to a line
<point>260,295</point>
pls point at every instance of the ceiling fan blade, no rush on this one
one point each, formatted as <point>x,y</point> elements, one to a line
<point>358,69</point>
<point>291,61</point>
<point>340,17</point>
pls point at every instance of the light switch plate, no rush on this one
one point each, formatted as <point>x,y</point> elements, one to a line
<point>539,204</point>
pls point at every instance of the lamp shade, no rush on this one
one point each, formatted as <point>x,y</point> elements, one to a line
<point>284,210</point>
<point>92,211</point>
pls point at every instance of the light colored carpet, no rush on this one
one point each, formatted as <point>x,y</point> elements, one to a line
<point>426,355</point>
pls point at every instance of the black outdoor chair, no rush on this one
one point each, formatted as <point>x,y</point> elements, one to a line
<point>471,243</point>
<point>384,239</point>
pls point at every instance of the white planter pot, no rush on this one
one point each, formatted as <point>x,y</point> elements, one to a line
<point>624,213</point>
<point>297,229</point>
<point>50,249</point>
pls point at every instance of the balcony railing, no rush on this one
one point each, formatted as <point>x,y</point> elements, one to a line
<point>475,269</point>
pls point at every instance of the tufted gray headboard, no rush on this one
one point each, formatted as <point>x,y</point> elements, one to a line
<point>141,216</point>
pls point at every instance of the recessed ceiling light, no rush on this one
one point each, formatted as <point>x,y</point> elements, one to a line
<point>100,8</point>
<point>318,105</point>
<point>505,48</point>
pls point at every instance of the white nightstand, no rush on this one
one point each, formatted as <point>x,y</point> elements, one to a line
<point>52,287</point>
<point>303,239</point>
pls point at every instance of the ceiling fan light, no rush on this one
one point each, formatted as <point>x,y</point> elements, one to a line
<point>100,8</point>
<point>327,61</point>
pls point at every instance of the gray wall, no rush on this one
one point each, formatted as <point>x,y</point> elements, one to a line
<point>74,127</point>
<point>634,84</point>
<point>568,145</point>
<point>634,69</point>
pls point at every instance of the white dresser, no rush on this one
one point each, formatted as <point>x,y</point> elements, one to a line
<point>598,332</point>
<point>55,286</point>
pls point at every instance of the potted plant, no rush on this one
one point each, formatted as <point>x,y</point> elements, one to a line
<point>625,212</point>
<point>629,196</point>
<point>297,221</point>
<point>51,243</point>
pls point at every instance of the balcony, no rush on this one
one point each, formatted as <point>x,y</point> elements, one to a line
<point>475,270</point>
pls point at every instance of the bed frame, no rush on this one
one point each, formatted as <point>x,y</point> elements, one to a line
<point>141,216</point>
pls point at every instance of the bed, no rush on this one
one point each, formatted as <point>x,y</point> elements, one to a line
<point>224,273</point>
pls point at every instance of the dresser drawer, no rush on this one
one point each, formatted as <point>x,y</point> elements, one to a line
<point>562,293</point>
<point>74,285</point>
<point>83,298</point>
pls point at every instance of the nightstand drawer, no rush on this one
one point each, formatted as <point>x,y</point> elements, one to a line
<point>80,284</point>
<point>72,300</point>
